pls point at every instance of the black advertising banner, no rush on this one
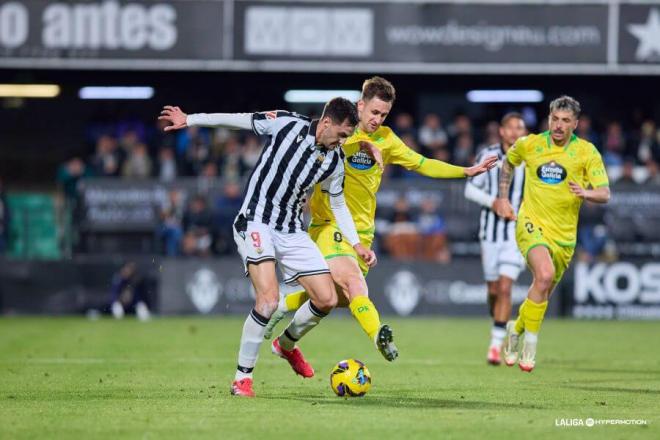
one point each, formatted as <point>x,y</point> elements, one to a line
<point>639,34</point>
<point>428,33</point>
<point>618,290</point>
<point>218,286</point>
<point>205,287</point>
<point>516,37</point>
<point>464,33</point>
<point>112,30</point>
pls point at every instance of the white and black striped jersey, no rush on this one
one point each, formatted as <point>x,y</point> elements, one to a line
<point>290,164</point>
<point>491,227</point>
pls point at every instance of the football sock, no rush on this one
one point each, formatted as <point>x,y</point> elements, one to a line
<point>531,337</point>
<point>534,313</point>
<point>520,321</point>
<point>366,314</point>
<point>305,319</point>
<point>293,301</point>
<point>497,333</point>
<point>253,335</point>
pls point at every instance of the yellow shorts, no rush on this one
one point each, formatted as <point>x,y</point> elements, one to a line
<point>529,235</point>
<point>332,243</point>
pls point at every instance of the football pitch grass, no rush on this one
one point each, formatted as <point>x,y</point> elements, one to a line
<point>169,378</point>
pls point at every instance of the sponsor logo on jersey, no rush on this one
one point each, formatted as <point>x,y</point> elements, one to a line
<point>361,161</point>
<point>551,173</point>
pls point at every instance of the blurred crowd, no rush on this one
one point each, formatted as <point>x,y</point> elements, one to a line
<point>199,225</point>
<point>134,150</point>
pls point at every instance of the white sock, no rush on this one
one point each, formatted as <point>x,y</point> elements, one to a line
<point>281,304</point>
<point>251,339</point>
<point>305,319</point>
<point>497,335</point>
<point>531,338</point>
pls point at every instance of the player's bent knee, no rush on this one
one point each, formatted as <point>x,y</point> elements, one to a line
<point>266,306</point>
<point>544,279</point>
<point>356,285</point>
<point>326,303</point>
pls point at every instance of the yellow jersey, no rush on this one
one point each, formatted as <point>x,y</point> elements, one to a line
<point>547,198</point>
<point>363,177</point>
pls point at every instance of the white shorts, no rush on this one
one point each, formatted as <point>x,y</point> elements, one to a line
<point>296,254</point>
<point>501,258</point>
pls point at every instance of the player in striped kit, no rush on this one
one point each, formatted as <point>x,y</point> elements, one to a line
<point>500,257</point>
<point>299,153</point>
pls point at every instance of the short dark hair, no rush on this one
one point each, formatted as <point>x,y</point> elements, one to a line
<point>378,87</point>
<point>339,110</point>
<point>511,115</point>
<point>565,102</point>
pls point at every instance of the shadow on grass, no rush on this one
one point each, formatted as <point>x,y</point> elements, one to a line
<point>616,371</point>
<point>399,401</point>
<point>615,389</point>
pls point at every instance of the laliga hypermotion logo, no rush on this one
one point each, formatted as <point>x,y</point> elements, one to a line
<point>204,290</point>
<point>403,292</point>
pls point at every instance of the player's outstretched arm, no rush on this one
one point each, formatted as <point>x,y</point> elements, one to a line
<point>438,169</point>
<point>502,204</point>
<point>480,168</point>
<point>596,195</point>
<point>179,119</point>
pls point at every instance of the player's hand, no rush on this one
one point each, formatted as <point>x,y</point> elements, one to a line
<point>487,164</point>
<point>175,116</point>
<point>366,255</point>
<point>578,190</point>
<point>503,208</point>
<point>374,152</point>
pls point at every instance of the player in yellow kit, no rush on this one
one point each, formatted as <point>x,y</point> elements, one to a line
<point>561,171</point>
<point>371,146</point>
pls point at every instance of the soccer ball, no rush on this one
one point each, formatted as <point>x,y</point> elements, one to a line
<point>350,378</point>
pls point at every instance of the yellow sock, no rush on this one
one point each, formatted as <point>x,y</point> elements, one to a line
<point>366,314</point>
<point>520,321</point>
<point>534,313</point>
<point>294,300</point>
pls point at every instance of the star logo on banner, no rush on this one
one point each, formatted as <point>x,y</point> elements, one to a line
<point>648,35</point>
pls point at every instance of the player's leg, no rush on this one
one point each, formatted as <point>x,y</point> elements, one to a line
<point>489,257</point>
<point>492,288</point>
<point>510,264</point>
<point>325,238</point>
<point>532,310</point>
<point>348,276</point>
<point>501,314</point>
<point>536,306</point>
<point>302,263</point>
<point>322,300</point>
<point>266,288</point>
<point>289,302</point>
<point>489,265</point>
<point>255,246</point>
